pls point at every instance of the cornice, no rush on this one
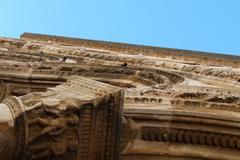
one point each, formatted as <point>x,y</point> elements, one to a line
<point>177,54</point>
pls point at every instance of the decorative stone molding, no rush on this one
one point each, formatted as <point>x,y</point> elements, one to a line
<point>77,120</point>
<point>178,104</point>
<point>3,90</point>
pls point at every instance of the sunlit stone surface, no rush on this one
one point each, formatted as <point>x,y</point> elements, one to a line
<point>75,99</point>
<point>7,138</point>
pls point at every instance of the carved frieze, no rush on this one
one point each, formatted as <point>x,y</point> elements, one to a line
<point>177,105</point>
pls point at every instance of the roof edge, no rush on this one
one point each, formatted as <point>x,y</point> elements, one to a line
<point>178,54</point>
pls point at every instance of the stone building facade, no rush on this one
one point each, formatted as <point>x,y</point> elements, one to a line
<point>75,99</point>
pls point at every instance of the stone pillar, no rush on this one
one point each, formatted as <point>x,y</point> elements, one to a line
<point>78,120</point>
<point>7,138</point>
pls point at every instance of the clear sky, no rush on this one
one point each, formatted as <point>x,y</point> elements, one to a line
<point>205,25</point>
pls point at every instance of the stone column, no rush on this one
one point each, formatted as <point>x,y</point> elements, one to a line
<point>78,120</point>
<point>7,135</point>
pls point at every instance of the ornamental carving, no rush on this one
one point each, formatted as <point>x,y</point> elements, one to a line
<point>71,121</point>
<point>68,98</point>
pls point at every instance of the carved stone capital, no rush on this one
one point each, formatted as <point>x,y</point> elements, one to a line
<point>72,121</point>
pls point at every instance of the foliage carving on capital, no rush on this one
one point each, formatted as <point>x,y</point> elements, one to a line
<point>54,124</point>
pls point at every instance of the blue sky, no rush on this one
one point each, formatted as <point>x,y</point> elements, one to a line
<point>205,25</point>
